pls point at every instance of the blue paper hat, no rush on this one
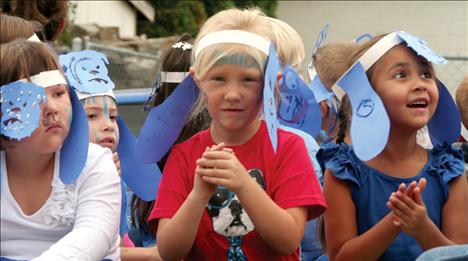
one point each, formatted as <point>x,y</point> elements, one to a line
<point>318,88</point>
<point>165,122</point>
<point>21,114</point>
<point>87,73</point>
<point>298,107</point>
<point>142,179</point>
<point>368,110</point>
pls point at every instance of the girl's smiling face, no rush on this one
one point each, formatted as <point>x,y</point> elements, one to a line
<point>407,86</point>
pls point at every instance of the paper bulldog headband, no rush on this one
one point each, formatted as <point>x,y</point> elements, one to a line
<point>165,122</point>
<point>21,115</point>
<point>87,73</point>
<point>368,110</point>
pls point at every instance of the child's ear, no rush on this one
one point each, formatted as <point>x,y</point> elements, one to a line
<point>193,73</point>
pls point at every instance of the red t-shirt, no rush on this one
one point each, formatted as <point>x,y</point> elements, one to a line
<point>289,179</point>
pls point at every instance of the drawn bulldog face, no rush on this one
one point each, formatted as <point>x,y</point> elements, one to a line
<point>226,212</point>
<point>20,108</point>
<point>87,71</point>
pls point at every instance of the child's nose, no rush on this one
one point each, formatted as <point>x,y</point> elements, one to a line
<point>50,107</point>
<point>108,125</point>
<point>233,92</point>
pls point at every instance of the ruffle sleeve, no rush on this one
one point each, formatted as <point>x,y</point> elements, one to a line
<point>341,161</point>
<point>447,163</point>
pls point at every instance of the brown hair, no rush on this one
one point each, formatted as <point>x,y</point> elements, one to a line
<point>16,27</point>
<point>23,59</point>
<point>330,61</point>
<point>50,13</point>
<point>461,97</point>
<point>174,60</point>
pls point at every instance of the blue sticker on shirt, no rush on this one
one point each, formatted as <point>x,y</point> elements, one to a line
<point>269,103</point>
<point>421,48</point>
<point>298,107</point>
<point>21,109</point>
<point>86,71</point>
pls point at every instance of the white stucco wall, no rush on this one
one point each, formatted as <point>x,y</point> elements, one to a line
<point>443,24</point>
<point>107,13</point>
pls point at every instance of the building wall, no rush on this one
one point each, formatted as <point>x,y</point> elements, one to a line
<point>107,13</point>
<point>443,24</point>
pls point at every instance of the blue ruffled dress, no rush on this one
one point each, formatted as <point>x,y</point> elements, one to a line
<point>370,189</point>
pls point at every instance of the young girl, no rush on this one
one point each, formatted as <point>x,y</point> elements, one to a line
<point>425,191</point>
<point>225,193</point>
<point>48,212</point>
<point>174,67</point>
<point>87,73</point>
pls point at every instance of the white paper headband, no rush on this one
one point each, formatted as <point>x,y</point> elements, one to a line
<point>173,77</point>
<point>83,95</point>
<point>370,57</point>
<point>233,36</point>
<point>34,38</point>
<point>47,79</point>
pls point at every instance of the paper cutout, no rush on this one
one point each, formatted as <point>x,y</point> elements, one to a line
<point>321,37</point>
<point>298,107</point>
<point>421,48</point>
<point>142,179</point>
<point>165,122</point>
<point>444,125</point>
<point>370,125</point>
<point>74,151</point>
<point>269,103</point>
<point>20,108</point>
<point>182,45</point>
<point>363,37</point>
<point>86,71</point>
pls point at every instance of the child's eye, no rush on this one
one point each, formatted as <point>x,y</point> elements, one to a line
<point>113,117</point>
<point>427,74</point>
<point>60,93</point>
<point>91,116</point>
<point>399,75</point>
<point>218,79</point>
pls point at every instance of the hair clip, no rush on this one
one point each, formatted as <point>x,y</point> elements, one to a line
<point>183,45</point>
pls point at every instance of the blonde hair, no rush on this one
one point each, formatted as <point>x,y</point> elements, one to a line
<point>461,97</point>
<point>288,42</point>
<point>16,27</point>
<point>251,20</point>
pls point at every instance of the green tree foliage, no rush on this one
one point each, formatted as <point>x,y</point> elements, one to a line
<point>177,17</point>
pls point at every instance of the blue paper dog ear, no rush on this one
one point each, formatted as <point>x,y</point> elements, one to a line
<point>86,71</point>
<point>368,111</point>
<point>444,125</point>
<point>298,107</point>
<point>74,151</point>
<point>20,108</point>
<point>269,103</point>
<point>142,179</point>
<point>165,122</point>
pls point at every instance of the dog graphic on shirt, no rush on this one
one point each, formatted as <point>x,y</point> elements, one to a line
<point>230,219</point>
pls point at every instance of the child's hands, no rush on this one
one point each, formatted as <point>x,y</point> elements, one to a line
<point>220,166</point>
<point>117,163</point>
<point>408,208</point>
<point>202,188</point>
